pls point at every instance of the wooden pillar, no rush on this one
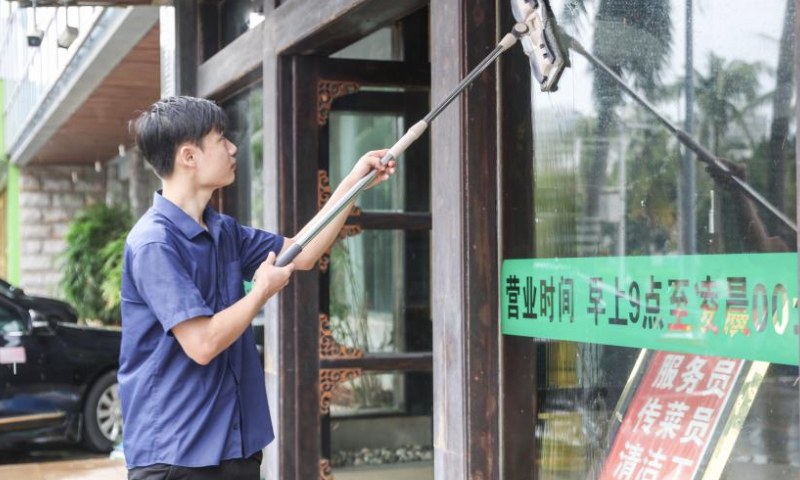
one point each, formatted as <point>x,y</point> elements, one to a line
<point>464,243</point>
<point>797,115</point>
<point>292,326</point>
<point>518,405</point>
<point>179,48</point>
<point>272,466</point>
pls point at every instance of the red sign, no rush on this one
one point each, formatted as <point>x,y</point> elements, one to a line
<point>671,419</point>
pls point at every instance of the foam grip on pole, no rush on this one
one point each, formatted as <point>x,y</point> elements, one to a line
<point>411,135</point>
<point>286,257</point>
<point>508,41</point>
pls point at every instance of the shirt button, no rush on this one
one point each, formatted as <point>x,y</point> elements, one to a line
<point>236,427</point>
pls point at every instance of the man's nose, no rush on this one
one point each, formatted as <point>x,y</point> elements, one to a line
<point>232,148</point>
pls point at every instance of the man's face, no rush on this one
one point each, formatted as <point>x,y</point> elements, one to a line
<point>216,165</point>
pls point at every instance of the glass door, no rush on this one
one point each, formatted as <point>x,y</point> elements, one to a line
<point>374,360</point>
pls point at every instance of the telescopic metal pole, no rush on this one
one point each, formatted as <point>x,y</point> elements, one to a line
<point>702,153</point>
<point>398,148</point>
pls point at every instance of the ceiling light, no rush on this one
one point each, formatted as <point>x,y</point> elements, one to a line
<point>34,35</point>
<point>69,34</point>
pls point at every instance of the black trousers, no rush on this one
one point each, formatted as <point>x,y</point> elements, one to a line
<point>238,469</point>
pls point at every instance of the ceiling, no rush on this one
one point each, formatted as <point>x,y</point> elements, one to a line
<point>86,3</point>
<point>93,133</point>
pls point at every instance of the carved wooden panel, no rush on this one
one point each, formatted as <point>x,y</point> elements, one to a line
<point>329,378</point>
<point>329,347</point>
<point>327,92</point>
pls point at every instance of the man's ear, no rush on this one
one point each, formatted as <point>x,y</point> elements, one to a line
<point>187,156</point>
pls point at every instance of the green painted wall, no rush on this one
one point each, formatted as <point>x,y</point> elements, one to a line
<point>12,195</point>
<point>12,200</point>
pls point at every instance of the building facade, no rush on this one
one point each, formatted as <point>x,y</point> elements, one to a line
<point>66,111</point>
<point>418,348</point>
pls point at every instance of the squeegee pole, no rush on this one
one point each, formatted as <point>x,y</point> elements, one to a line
<point>703,154</point>
<point>398,148</point>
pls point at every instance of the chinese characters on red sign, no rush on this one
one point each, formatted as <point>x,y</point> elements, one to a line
<point>670,423</point>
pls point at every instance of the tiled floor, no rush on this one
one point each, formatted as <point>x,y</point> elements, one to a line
<point>87,469</point>
<point>58,462</point>
<point>410,471</point>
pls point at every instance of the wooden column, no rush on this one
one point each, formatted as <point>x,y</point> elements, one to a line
<point>278,367</point>
<point>464,243</point>
<point>518,405</point>
<point>292,328</point>
<point>797,115</point>
<point>271,177</point>
<point>180,49</point>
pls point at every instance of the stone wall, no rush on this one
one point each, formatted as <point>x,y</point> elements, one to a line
<point>49,197</point>
<point>131,181</point>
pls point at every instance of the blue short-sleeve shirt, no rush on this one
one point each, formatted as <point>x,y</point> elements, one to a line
<point>175,410</point>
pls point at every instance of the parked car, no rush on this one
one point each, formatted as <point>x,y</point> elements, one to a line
<point>58,380</point>
<point>50,308</point>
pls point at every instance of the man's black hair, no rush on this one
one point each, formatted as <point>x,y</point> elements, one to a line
<point>171,122</point>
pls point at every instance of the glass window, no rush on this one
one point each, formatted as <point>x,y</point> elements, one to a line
<point>365,444</point>
<point>379,291</point>
<point>354,133</point>
<point>382,44</point>
<point>610,182</point>
<point>237,17</point>
<point>376,287</point>
<point>245,198</point>
<point>223,21</point>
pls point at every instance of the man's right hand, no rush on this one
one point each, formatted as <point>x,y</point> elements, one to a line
<point>724,179</point>
<point>269,279</point>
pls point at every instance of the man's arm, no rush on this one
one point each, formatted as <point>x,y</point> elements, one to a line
<point>323,241</point>
<point>756,234</point>
<point>203,338</point>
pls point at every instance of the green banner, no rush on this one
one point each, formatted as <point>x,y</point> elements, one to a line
<point>737,306</point>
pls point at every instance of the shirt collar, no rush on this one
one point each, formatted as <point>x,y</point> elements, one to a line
<point>183,221</point>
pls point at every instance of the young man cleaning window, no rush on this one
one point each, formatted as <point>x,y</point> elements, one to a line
<point>192,385</point>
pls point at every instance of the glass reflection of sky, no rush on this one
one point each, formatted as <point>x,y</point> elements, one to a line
<point>745,34</point>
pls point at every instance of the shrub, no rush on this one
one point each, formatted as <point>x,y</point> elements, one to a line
<point>93,267</point>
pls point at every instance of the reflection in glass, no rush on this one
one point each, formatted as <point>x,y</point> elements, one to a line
<point>352,134</point>
<point>367,394</point>
<point>371,302</point>
<point>609,181</point>
<point>238,16</point>
<point>245,198</point>
<point>383,44</point>
<point>380,421</point>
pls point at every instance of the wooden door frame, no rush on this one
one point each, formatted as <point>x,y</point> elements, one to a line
<point>290,159</point>
<point>519,380</point>
<point>465,272</point>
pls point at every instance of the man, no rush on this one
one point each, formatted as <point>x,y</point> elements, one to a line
<point>192,386</point>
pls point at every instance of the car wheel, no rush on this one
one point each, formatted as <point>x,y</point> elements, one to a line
<point>102,414</point>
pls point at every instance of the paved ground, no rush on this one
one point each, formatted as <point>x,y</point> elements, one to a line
<point>59,462</point>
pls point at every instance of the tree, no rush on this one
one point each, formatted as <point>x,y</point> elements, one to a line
<point>94,252</point>
<point>633,38</point>
<point>724,95</point>
<point>782,115</point>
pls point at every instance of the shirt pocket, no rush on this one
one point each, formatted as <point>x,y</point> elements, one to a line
<point>234,282</point>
